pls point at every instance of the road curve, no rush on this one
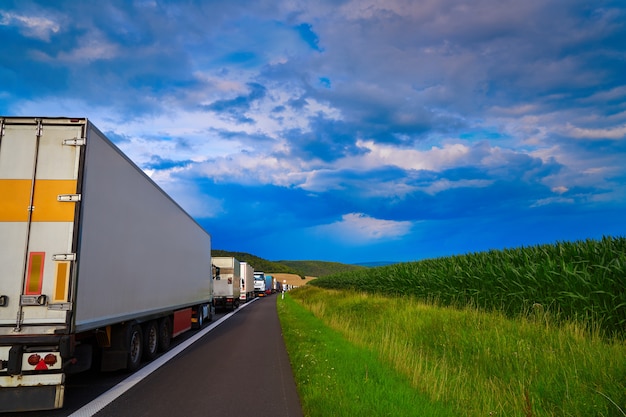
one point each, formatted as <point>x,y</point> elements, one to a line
<point>240,368</point>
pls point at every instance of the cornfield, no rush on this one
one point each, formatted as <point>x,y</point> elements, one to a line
<point>584,281</point>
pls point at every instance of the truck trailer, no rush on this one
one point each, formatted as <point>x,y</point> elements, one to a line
<point>259,284</point>
<point>269,284</point>
<point>247,282</point>
<point>96,261</point>
<point>227,283</point>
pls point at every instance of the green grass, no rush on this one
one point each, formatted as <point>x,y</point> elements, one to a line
<point>583,281</point>
<point>337,378</point>
<point>474,362</point>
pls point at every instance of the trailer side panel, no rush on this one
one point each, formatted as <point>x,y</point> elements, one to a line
<point>139,251</point>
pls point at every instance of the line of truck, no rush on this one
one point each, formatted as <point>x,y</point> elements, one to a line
<point>97,263</point>
<point>265,284</point>
<point>233,282</point>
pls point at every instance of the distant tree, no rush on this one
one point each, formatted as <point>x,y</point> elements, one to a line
<point>302,268</point>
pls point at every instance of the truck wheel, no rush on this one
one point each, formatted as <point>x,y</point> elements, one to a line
<point>165,334</point>
<point>150,340</point>
<point>135,348</point>
<point>200,317</point>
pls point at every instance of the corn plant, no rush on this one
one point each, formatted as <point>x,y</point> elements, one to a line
<point>582,280</point>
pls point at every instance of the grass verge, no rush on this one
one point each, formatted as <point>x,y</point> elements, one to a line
<point>335,378</point>
<point>477,363</point>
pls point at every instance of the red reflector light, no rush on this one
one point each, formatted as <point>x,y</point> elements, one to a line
<point>41,366</point>
<point>34,359</point>
<point>50,359</point>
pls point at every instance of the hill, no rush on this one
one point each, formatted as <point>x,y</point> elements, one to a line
<point>259,264</point>
<point>376,264</point>
<point>321,268</point>
<point>301,268</point>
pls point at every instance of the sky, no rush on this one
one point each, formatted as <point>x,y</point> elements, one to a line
<point>348,131</point>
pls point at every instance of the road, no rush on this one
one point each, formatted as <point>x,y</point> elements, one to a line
<point>239,368</point>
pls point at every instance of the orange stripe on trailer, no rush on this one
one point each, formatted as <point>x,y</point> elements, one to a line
<point>46,207</point>
<point>15,199</point>
<point>182,321</point>
<point>34,280</point>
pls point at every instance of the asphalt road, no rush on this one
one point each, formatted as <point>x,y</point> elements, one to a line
<point>239,368</point>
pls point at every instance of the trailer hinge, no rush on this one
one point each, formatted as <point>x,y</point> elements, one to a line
<point>39,127</point>
<point>64,257</point>
<point>60,306</point>
<point>75,142</point>
<point>68,198</point>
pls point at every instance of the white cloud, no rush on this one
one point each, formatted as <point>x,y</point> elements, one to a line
<point>435,159</point>
<point>31,26</point>
<point>560,189</point>
<point>612,132</point>
<point>552,200</point>
<point>188,195</point>
<point>90,48</point>
<point>444,184</point>
<point>360,228</point>
<point>616,93</point>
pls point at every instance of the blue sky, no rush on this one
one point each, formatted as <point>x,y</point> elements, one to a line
<point>348,131</point>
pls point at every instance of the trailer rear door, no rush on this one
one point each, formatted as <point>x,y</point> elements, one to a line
<point>39,168</point>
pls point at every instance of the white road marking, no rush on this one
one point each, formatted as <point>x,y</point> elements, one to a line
<point>108,397</point>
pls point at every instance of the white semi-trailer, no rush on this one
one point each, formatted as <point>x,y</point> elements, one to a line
<point>247,282</point>
<point>227,282</point>
<point>95,260</point>
<point>259,284</point>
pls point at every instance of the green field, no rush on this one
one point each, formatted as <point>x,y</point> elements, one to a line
<point>528,332</point>
<point>583,281</point>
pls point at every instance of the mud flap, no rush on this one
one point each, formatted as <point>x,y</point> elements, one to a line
<point>83,355</point>
<point>115,357</point>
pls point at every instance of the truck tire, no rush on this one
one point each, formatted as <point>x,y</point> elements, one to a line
<point>200,317</point>
<point>150,340</point>
<point>135,348</point>
<point>165,334</point>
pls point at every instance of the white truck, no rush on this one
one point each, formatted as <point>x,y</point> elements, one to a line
<point>227,282</point>
<point>96,261</point>
<point>247,282</point>
<point>259,284</point>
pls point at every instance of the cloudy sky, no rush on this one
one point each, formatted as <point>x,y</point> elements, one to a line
<point>346,130</point>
